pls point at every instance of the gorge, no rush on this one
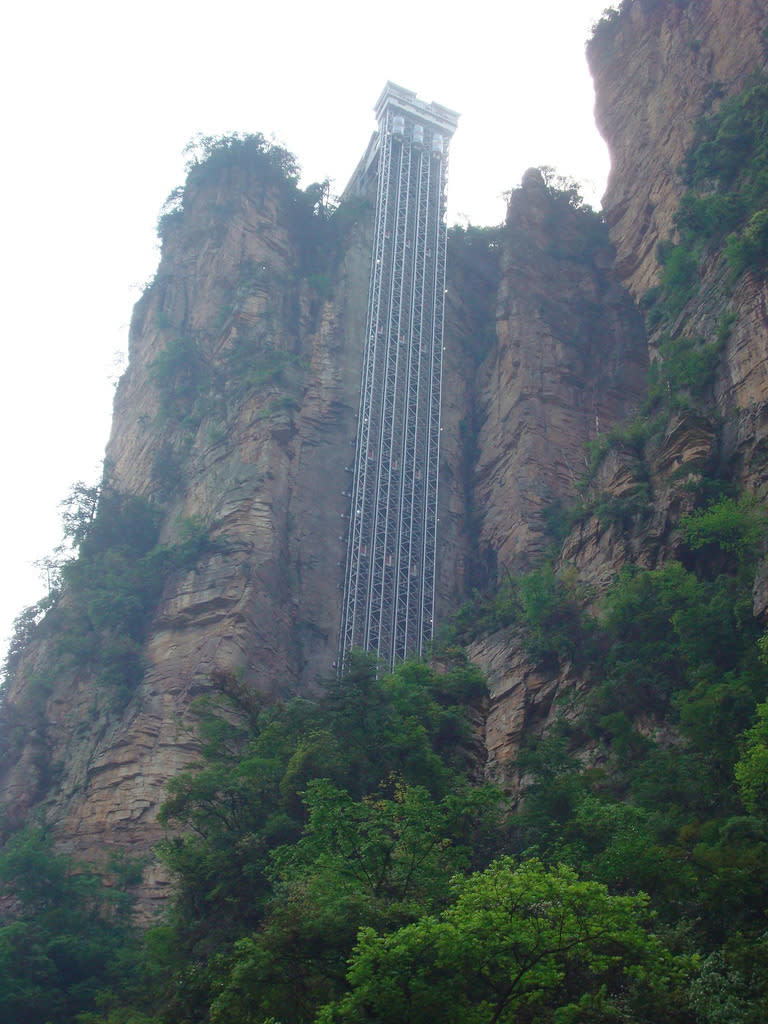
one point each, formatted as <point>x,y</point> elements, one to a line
<point>602,503</point>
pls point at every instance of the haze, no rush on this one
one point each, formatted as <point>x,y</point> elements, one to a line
<point>100,101</point>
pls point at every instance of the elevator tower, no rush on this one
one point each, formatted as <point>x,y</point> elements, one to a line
<point>389,586</point>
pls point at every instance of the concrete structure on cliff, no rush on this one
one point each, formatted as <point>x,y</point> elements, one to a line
<point>390,570</point>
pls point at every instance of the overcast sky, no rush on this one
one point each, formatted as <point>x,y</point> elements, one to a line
<point>100,100</point>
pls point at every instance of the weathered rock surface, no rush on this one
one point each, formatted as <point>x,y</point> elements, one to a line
<point>544,351</point>
<point>658,66</point>
<point>256,448</point>
<point>569,364</point>
<point>260,462</point>
<point>522,696</point>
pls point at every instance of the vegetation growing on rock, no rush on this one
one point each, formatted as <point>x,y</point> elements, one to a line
<point>337,857</point>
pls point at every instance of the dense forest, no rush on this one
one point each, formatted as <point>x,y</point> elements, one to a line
<point>340,857</point>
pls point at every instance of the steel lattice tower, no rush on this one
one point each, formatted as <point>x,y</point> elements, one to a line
<point>389,586</point>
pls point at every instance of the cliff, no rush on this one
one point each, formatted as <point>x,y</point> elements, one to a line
<point>661,69</point>
<point>234,418</point>
<point>568,364</point>
<point>658,67</point>
<point>234,421</point>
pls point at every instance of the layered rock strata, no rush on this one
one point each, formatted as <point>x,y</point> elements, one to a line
<point>544,352</point>
<point>658,66</point>
<point>569,363</point>
<point>255,451</point>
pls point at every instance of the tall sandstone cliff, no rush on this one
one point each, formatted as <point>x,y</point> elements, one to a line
<point>237,413</point>
<point>659,66</point>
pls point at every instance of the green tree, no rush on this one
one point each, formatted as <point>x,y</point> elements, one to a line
<point>61,933</point>
<point>520,943</point>
<point>306,820</point>
<point>752,769</point>
<point>380,862</point>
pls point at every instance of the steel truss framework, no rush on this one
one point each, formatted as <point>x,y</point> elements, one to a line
<point>389,587</point>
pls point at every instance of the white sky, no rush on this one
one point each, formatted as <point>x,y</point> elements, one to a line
<point>99,101</point>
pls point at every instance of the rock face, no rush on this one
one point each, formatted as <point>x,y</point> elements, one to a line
<point>254,448</point>
<point>658,67</point>
<point>263,458</point>
<point>568,364</point>
<point>237,415</point>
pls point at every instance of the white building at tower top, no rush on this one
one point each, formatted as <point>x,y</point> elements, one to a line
<point>398,109</point>
<point>405,103</point>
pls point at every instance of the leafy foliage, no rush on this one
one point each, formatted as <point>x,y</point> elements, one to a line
<point>335,859</point>
<point>734,527</point>
<point>748,249</point>
<point>686,372</point>
<point>725,204</point>
<point>727,174</point>
<point>208,153</point>
<point>209,156</point>
<point>62,934</point>
<point>519,942</point>
<point>546,606</point>
<point>181,373</point>
<point>665,804</point>
<point>679,277</point>
<point>315,843</point>
<point>565,191</point>
<point>751,769</point>
<point>722,221</point>
<point>306,820</point>
<point>113,586</point>
<point>98,616</point>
